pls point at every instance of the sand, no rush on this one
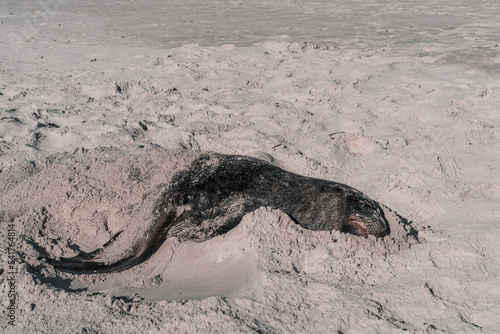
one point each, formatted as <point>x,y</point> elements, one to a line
<point>398,100</point>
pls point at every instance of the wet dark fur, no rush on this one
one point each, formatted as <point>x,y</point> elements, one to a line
<point>212,196</point>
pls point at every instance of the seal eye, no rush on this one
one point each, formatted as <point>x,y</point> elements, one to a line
<point>364,206</point>
<point>366,203</point>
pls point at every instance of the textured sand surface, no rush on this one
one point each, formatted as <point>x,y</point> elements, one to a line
<point>399,100</point>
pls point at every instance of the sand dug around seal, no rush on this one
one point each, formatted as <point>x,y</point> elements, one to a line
<point>85,197</point>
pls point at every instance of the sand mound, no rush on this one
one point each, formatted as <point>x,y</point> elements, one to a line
<point>80,200</point>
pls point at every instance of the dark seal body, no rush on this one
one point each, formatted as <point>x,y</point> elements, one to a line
<point>211,197</point>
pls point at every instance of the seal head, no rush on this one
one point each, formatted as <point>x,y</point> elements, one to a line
<point>365,217</point>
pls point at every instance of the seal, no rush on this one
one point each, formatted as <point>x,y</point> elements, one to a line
<point>212,195</point>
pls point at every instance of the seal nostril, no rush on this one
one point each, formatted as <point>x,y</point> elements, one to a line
<point>385,232</point>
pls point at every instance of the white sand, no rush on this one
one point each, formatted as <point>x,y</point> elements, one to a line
<point>400,101</point>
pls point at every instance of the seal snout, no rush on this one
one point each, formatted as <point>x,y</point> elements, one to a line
<point>358,227</point>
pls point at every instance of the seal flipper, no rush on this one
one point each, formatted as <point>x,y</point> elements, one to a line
<point>85,264</point>
<point>82,260</point>
<point>144,248</point>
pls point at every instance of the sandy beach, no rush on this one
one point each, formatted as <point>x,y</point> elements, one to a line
<point>400,100</point>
